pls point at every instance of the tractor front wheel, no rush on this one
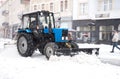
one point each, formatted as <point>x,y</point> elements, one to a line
<point>50,49</point>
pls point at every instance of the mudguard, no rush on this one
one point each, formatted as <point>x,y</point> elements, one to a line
<point>25,30</point>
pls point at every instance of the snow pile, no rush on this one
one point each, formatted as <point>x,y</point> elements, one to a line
<point>4,42</point>
<point>86,45</point>
<point>7,41</point>
<point>1,43</point>
<point>82,58</point>
<point>62,68</point>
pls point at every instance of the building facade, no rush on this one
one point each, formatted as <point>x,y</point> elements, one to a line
<point>9,12</point>
<point>95,20</point>
<point>4,21</point>
<point>61,8</point>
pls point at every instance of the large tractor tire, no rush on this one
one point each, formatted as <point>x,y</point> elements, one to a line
<point>25,45</point>
<point>49,49</point>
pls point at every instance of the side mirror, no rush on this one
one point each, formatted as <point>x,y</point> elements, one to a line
<point>59,18</point>
<point>91,24</point>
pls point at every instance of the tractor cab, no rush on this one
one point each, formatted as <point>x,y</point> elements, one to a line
<point>38,20</point>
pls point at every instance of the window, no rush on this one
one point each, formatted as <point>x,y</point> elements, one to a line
<point>66,4</point>
<point>61,6</point>
<point>83,33</point>
<point>119,31</point>
<point>86,34</point>
<point>26,22</point>
<point>107,5</point>
<point>35,7</point>
<point>39,7</point>
<point>47,20</point>
<point>33,21</point>
<point>105,32</point>
<point>119,27</point>
<point>51,6</point>
<point>85,28</point>
<point>83,8</point>
<point>43,6</point>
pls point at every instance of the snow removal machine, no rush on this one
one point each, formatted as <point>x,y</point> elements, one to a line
<point>38,31</point>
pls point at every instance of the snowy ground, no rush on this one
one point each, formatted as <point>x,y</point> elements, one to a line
<point>82,66</point>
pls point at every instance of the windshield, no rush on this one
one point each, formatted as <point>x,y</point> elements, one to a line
<point>46,20</point>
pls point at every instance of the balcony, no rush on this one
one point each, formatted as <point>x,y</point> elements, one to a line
<point>5,12</point>
<point>5,24</point>
<point>102,15</point>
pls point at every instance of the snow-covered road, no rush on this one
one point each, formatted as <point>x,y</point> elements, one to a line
<point>13,66</point>
<point>105,56</point>
<point>111,61</point>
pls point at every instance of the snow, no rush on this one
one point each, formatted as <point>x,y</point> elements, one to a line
<point>82,66</point>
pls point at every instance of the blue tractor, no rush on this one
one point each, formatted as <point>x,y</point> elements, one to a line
<point>38,31</point>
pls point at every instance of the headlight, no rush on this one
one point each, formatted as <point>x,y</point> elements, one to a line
<point>62,38</point>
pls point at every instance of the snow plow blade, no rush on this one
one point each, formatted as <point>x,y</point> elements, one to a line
<point>74,51</point>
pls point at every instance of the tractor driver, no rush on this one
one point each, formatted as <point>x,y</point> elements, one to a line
<point>70,37</point>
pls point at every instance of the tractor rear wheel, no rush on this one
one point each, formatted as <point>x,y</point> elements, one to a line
<point>49,49</point>
<point>25,45</point>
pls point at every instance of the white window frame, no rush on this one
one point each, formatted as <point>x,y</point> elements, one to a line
<point>51,6</point>
<point>61,6</point>
<point>66,4</point>
<point>83,8</point>
<point>107,5</point>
